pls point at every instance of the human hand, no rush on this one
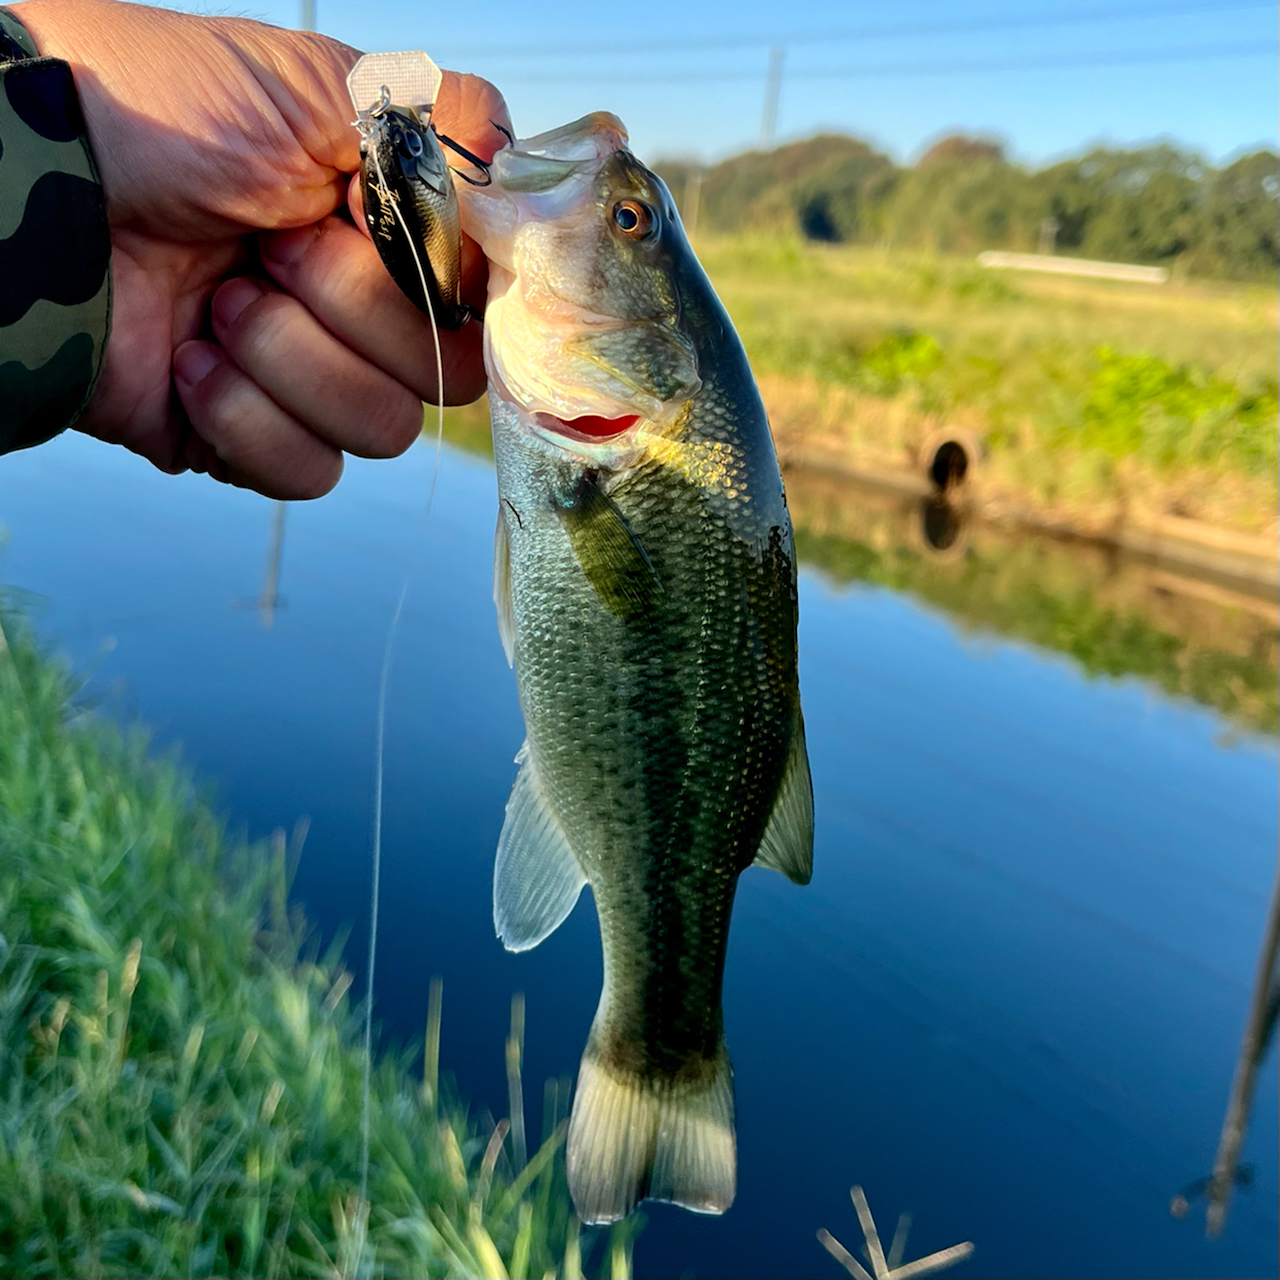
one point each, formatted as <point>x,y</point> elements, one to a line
<point>255,335</point>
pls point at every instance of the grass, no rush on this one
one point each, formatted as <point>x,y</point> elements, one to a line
<point>1094,399</point>
<point>180,1073</point>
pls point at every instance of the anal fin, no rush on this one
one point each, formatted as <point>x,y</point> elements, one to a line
<point>537,877</point>
<point>788,839</point>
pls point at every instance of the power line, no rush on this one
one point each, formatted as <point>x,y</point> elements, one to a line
<point>890,70</point>
<point>1004,22</point>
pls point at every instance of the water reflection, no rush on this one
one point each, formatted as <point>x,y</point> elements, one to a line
<point>1260,1032</point>
<point>1113,613</point>
<point>270,599</point>
<point>943,528</point>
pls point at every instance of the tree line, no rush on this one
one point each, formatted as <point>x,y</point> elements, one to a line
<point>1159,204</point>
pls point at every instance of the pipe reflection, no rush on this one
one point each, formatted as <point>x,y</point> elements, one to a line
<point>270,598</point>
<point>943,528</point>
<point>1260,1030</point>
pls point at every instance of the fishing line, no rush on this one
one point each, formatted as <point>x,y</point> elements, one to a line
<point>379,750</point>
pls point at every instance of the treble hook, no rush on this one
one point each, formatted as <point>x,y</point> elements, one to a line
<point>468,156</point>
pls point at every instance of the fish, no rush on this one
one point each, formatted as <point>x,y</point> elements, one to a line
<point>645,585</point>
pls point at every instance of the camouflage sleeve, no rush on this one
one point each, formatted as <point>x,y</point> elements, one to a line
<point>55,247</point>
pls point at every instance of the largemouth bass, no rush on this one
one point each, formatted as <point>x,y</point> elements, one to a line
<point>645,581</point>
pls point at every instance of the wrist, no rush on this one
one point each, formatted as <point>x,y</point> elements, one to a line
<point>55,310</point>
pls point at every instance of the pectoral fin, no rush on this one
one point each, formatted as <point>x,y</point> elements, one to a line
<point>502,588</point>
<point>610,554</point>
<point>788,839</point>
<point>537,877</point>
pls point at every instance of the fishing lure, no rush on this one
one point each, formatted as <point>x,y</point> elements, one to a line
<point>410,206</point>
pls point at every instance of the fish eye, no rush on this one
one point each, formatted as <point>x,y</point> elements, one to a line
<point>633,218</point>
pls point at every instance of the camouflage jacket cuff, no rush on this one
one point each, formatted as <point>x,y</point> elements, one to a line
<point>55,247</point>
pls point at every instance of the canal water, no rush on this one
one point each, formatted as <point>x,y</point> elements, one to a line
<point>1010,1002</point>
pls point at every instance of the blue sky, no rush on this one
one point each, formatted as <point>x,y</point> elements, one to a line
<point>688,76</point>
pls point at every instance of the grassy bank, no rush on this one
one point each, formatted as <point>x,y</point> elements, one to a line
<point>1093,401</point>
<point>180,1075</point>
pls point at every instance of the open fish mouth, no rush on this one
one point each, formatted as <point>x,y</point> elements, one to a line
<point>582,329</point>
<point>589,426</point>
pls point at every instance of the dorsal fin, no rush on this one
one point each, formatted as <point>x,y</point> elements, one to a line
<point>536,876</point>
<point>788,839</point>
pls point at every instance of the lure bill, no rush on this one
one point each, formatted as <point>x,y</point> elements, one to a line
<point>410,206</point>
<point>645,582</point>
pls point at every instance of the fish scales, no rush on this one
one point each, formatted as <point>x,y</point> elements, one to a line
<point>646,584</point>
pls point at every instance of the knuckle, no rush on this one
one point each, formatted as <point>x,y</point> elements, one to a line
<point>255,327</point>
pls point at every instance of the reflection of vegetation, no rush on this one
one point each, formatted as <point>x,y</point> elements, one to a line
<point>1113,620</point>
<point>180,1081</point>
<point>467,427</point>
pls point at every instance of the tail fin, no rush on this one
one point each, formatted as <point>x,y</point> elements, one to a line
<point>633,1138</point>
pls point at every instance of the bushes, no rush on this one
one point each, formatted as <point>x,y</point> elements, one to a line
<point>1157,204</point>
<point>1171,415</point>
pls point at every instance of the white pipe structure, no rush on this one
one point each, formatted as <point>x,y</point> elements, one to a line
<point>1074,267</point>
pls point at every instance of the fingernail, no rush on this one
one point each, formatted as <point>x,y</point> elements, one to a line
<point>193,362</point>
<point>234,297</point>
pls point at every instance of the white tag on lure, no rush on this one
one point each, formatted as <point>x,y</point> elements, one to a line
<point>410,78</point>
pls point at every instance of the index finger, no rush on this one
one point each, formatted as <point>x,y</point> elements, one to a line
<point>472,112</point>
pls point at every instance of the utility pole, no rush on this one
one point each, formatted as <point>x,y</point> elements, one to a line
<point>308,22</point>
<point>1049,228</point>
<point>772,91</point>
<point>692,200</point>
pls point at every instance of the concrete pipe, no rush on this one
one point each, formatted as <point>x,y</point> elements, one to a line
<point>949,461</point>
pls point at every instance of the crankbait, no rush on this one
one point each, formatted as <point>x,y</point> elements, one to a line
<point>410,205</point>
